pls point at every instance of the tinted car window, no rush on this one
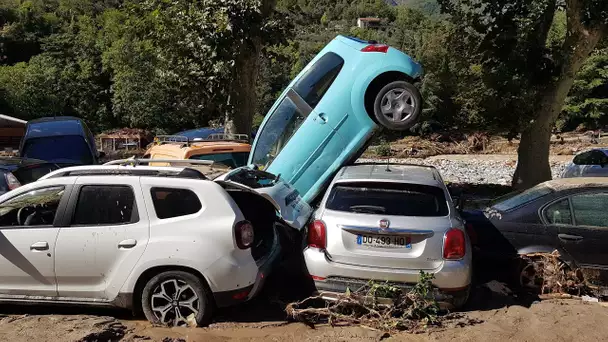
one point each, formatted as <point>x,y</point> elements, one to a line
<point>233,160</point>
<point>169,202</point>
<point>32,173</point>
<point>590,209</point>
<point>105,205</point>
<point>388,199</point>
<point>559,213</point>
<point>59,149</point>
<point>317,80</point>
<point>34,208</point>
<point>277,132</point>
<point>521,198</point>
<point>594,157</point>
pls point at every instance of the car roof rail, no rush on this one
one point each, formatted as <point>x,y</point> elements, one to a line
<point>395,164</point>
<point>140,161</point>
<point>185,141</point>
<point>149,172</point>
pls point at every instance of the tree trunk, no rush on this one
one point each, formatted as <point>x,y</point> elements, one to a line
<point>247,65</point>
<point>533,152</point>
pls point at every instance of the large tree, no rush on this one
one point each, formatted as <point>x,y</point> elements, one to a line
<point>530,74</point>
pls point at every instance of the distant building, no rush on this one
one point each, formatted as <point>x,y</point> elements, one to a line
<point>369,22</point>
<point>11,132</point>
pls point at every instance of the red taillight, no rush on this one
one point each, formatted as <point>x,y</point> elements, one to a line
<point>454,244</point>
<point>375,48</point>
<point>243,234</point>
<point>11,181</point>
<point>316,234</point>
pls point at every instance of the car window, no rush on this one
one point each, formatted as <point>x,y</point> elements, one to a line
<point>593,157</point>
<point>32,173</point>
<point>317,80</point>
<point>521,198</point>
<point>60,149</point>
<point>105,205</point>
<point>232,160</point>
<point>388,199</point>
<point>277,132</point>
<point>590,209</point>
<point>34,208</point>
<point>170,202</point>
<point>559,213</point>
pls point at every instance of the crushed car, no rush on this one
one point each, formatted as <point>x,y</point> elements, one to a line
<point>591,163</point>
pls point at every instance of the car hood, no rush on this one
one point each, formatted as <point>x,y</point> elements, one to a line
<point>288,202</point>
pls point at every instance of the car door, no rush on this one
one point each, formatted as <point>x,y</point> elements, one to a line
<point>586,240</point>
<point>107,234</point>
<point>296,140</point>
<point>28,230</point>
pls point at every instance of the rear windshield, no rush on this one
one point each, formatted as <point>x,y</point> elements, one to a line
<point>32,173</point>
<point>388,199</point>
<point>59,149</point>
<point>230,159</point>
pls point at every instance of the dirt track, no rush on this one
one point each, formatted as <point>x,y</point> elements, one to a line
<point>551,320</point>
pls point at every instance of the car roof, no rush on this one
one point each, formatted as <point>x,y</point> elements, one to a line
<point>406,173</point>
<point>62,125</point>
<point>576,182</point>
<point>203,146</point>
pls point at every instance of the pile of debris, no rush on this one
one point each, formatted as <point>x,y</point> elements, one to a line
<point>381,307</point>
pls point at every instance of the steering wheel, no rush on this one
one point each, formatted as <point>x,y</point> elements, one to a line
<point>23,214</point>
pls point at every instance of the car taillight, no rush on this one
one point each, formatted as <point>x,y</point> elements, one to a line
<point>375,48</point>
<point>243,234</point>
<point>454,244</point>
<point>11,181</point>
<point>317,234</point>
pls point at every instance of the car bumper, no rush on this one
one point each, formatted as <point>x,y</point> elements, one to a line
<point>265,266</point>
<point>337,277</point>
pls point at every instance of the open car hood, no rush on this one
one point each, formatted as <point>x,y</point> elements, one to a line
<point>292,209</point>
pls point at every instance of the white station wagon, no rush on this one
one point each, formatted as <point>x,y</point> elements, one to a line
<point>162,239</point>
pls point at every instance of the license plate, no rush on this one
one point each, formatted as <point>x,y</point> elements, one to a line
<point>384,241</point>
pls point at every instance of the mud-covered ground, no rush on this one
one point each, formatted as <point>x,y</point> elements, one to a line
<point>489,317</point>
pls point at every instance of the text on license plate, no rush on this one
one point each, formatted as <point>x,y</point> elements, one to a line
<point>385,241</point>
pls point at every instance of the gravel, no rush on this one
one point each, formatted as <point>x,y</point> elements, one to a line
<point>473,170</point>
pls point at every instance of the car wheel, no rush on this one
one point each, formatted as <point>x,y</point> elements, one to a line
<point>177,298</point>
<point>398,106</point>
<point>460,298</point>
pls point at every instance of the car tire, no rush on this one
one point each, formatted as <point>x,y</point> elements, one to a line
<point>398,106</point>
<point>460,299</point>
<point>160,302</point>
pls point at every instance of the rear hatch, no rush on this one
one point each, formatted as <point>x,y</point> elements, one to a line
<point>386,225</point>
<point>287,201</point>
<point>355,43</point>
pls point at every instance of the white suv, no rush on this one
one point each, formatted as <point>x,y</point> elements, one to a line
<point>163,239</point>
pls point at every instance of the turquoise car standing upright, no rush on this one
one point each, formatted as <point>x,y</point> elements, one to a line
<point>331,110</point>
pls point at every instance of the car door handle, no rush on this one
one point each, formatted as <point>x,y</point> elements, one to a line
<point>126,244</point>
<point>323,118</point>
<point>40,246</point>
<point>569,237</point>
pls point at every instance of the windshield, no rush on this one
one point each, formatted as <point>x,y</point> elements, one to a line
<point>59,149</point>
<point>277,131</point>
<point>232,159</point>
<point>517,199</point>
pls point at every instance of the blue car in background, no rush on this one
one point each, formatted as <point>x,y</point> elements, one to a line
<point>200,133</point>
<point>65,141</point>
<point>331,110</point>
